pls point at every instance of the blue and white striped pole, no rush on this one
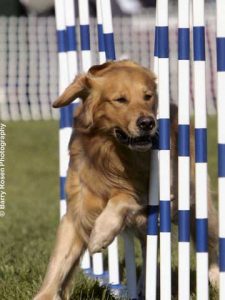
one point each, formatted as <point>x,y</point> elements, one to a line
<point>65,116</point>
<point>86,64</point>
<point>108,30</point>
<point>70,18</point>
<point>164,150</point>
<point>200,151</point>
<point>153,209</point>
<point>101,44</point>
<point>71,39</point>
<point>85,34</point>
<point>221,138</point>
<point>183,150</point>
<point>114,279</point>
<point>113,258</point>
<point>97,258</point>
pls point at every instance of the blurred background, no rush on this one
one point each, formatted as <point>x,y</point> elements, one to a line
<point>28,51</point>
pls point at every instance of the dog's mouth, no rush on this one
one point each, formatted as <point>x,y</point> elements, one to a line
<point>142,142</point>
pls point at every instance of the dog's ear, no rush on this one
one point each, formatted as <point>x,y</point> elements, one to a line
<point>79,88</point>
<point>98,70</point>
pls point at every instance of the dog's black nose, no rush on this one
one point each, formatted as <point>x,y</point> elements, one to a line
<point>146,123</point>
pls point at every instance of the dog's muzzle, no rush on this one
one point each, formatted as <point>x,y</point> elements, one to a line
<point>143,142</point>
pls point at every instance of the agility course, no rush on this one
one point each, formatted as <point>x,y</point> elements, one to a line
<point>67,71</point>
<point>106,42</point>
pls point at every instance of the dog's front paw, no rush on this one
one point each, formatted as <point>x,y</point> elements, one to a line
<point>214,275</point>
<point>105,230</point>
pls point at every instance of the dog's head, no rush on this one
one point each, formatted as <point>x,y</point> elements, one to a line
<point>118,99</point>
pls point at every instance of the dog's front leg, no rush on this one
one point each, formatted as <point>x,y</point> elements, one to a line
<point>66,254</point>
<point>111,221</point>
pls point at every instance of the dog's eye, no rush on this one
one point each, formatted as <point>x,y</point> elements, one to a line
<point>121,100</point>
<point>148,97</point>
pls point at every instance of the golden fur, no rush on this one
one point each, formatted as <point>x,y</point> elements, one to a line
<point>108,176</point>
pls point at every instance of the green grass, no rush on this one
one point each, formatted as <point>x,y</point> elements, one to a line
<point>27,232</point>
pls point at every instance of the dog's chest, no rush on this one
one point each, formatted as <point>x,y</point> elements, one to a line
<point>138,171</point>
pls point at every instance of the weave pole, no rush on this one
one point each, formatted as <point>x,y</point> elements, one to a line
<point>153,206</point>
<point>114,280</point>
<point>71,39</point>
<point>183,150</point>
<point>101,44</point>
<point>86,64</point>
<point>85,34</point>
<point>65,113</point>
<point>97,258</point>
<point>200,151</point>
<point>164,150</point>
<point>221,138</point>
<point>113,258</point>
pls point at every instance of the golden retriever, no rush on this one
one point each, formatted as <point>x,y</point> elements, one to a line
<point>108,176</point>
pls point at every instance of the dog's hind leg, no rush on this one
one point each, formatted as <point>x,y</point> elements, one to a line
<point>68,249</point>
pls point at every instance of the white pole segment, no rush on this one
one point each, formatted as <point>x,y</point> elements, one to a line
<point>65,128</point>
<point>113,263</point>
<point>71,35</point>
<point>109,46</point>
<point>153,202</point>
<point>97,258</point>
<point>107,16</point>
<point>83,7</point>
<point>85,34</point>
<point>101,46</point>
<point>61,27</point>
<point>164,151</point>
<point>152,230</point>
<point>183,150</point>
<point>200,150</point>
<point>98,264</point>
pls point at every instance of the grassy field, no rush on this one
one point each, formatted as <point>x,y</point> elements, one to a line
<point>28,230</point>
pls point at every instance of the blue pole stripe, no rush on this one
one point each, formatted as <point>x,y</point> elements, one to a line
<point>62,188</point>
<point>101,45</point>
<point>164,134</point>
<point>61,41</point>
<point>85,37</point>
<point>201,145</point>
<point>152,224</point>
<point>71,38</point>
<point>184,225</point>
<point>183,140</point>
<point>220,44</point>
<point>199,43</point>
<point>183,44</point>
<point>165,224</point>
<point>222,254</point>
<point>109,46</point>
<point>202,235</point>
<point>163,42</point>
<point>66,116</point>
<point>156,53</point>
<point>221,160</point>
